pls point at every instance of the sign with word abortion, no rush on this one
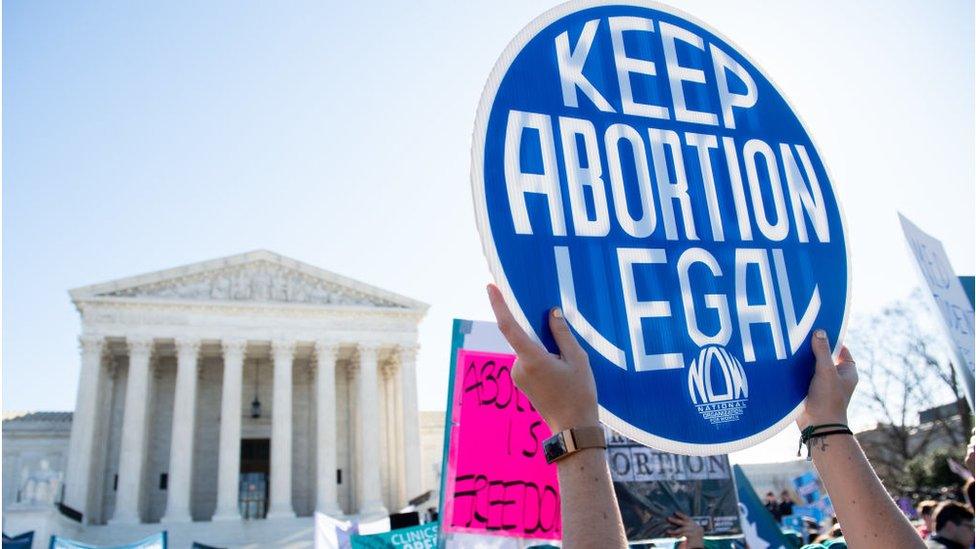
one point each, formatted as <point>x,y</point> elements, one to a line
<point>949,299</point>
<point>635,168</point>
<point>652,485</point>
<point>497,479</point>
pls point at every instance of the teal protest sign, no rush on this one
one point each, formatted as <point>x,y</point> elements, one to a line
<point>758,525</point>
<point>415,537</point>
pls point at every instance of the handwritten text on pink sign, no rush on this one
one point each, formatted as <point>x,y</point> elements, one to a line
<point>499,482</point>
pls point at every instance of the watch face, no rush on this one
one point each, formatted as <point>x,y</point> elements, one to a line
<point>554,447</point>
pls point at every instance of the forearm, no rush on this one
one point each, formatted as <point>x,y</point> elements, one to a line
<point>590,514</point>
<point>867,515</point>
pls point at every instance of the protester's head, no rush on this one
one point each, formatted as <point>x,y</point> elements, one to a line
<point>925,510</point>
<point>770,497</point>
<point>954,521</point>
<point>785,495</point>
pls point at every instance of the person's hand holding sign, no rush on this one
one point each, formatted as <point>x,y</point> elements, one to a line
<point>831,387</point>
<point>685,527</point>
<point>561,386</point>
<point>865,511</point>
<point>562,389</point>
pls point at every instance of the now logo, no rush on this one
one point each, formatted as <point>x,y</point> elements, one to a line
<point>702,372</point>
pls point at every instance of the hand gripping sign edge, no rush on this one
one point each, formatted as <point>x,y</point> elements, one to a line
<point>479,138</point>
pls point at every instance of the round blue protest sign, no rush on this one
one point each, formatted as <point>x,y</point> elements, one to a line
<point>634,167</point>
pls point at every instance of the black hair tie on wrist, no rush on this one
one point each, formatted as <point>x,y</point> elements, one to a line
<point>815,431</point>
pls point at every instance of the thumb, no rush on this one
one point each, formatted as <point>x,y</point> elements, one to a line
<point>846,367</point>
<point>569,348</point>
<point>821,350</point>
<point>845,356</point>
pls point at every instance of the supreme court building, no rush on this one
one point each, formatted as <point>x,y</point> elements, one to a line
<point>248,388</point>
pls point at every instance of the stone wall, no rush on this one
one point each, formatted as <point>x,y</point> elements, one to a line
<point>35,448</point>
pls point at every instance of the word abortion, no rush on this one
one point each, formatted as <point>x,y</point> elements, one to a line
<point>772,187</point>
<point>759,158</point>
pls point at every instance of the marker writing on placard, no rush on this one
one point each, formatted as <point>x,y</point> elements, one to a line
<point>493,386</point>
<point>939,276</point>
<point>765,208</point>
<point>501,482</point>
<point>491,504</point>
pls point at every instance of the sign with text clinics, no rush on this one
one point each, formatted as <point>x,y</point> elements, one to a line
<point>632,166</point>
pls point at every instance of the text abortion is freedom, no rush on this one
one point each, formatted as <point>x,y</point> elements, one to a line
<point>793,198</point>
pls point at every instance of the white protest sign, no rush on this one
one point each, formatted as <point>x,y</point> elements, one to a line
<point>942,285</point>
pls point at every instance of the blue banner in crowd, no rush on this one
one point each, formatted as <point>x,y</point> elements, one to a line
<point>634,167</point>
<point>758,525</point>
<point>809,511</point>
<point>808,487</point>
<point>415,537</point>
<point>156,541</point>
<point>23,541</point>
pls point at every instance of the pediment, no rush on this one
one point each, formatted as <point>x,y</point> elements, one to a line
<point>254,277</point>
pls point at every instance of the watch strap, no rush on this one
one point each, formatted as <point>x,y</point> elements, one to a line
<point>588,437</point>
<point>569,441</point>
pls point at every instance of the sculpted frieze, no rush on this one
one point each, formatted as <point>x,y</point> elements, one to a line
<point>257,282</point>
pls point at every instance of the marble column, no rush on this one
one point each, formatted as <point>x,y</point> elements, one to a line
<point>181,443</point>
<point>132,452</point>
<point>367,437</point>
<point>391,421</point>
<point>326,490</point>
<point>82,443</point>
<point>411,421</point>
<point>283,353</point>
<point>229,460</point>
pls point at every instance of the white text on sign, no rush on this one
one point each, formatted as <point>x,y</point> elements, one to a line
<point>661,157</point>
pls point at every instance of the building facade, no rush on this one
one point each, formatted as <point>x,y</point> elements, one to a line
<point>35,448</point>
<point>252,386</point>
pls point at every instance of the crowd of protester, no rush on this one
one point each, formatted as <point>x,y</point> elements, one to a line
<point>948,523</point>
<point>944,520</point>
<point>562,388</point>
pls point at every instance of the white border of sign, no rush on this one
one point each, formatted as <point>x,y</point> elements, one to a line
<point>491,254</point>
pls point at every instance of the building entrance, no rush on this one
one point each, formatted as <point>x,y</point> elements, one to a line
<point>255,468</point>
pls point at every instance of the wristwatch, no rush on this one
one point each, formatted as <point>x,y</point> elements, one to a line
<point>568,442</point>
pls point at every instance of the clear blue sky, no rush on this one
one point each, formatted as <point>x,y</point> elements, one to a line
<point>144,135</point>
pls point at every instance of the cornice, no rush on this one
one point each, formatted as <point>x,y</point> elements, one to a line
<point>247,307</point>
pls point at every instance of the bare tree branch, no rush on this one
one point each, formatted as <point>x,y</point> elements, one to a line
<point>905,370</point>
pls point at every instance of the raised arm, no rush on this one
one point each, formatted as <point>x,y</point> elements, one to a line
<point>562,389</point>
<point>867,515</point>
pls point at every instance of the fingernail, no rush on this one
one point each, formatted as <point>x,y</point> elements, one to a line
<point>557,312</point>
<point>820,334</point>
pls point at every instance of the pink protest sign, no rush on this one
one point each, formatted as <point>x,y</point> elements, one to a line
<point>497,481</point>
